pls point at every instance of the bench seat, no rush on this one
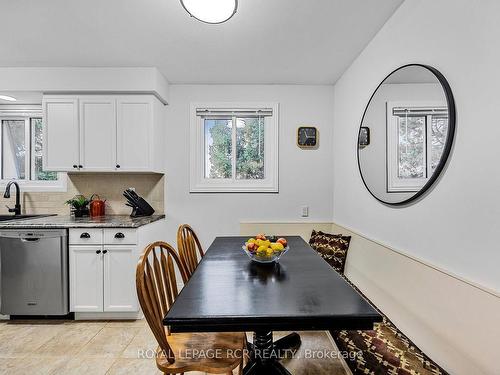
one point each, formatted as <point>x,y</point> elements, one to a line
<point>385,350</point>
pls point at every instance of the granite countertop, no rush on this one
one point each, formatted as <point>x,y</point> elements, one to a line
<point>67,221</point>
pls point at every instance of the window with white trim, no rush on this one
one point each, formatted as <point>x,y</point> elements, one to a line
<point>234,147</point>
<point>21,147</point>
<point>416,136</point>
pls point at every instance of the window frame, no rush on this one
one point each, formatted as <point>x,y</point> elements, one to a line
<point>200,184</point>
<point>394,183</point>
<point>27,113</point>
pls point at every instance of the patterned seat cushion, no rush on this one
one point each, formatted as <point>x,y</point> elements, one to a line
<point>384,351</point>
<point>332,248</point>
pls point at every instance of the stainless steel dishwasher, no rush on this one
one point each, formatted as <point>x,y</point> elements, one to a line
<point>34,272</point>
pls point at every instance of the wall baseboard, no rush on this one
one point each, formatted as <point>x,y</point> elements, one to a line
<point>109,316</point>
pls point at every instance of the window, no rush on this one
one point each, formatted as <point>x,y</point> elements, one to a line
<point>21,147</point>
<point>416,135</point>
<point>234,147</point>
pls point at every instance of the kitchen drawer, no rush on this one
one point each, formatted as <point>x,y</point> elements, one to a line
<point>119,236</point>
<point>85,236</point>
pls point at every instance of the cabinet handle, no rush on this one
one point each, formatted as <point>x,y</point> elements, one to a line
<point>104,251</point>
<point>119,235</point>
<point>80,166</point>
<point>98,251</point>
<point>84,235</point>
<point>117,165</point>
<point>75,166</point>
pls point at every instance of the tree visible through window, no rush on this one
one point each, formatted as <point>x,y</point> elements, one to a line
<point>234,147</point>
<point>37,151</point>
<point>411,147</point>
<point>13,149</point>
<point>22,148</point>
<point>250,148</point>
<point>248,135</point>
<point>416,139</point>
<point>415,134</point>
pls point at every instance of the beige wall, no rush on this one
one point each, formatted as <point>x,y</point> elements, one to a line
<point>108,185</point>
<point>302,229</point>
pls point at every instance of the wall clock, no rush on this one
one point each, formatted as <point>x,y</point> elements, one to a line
<point>307,137</point>
<point>364,136</point>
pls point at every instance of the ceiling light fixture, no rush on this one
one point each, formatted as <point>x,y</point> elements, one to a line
<point>8,98</point>
<point>211,11</point>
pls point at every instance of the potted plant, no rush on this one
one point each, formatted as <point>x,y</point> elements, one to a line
<point>79,205</point>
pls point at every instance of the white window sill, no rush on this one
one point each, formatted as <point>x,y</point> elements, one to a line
<point>233,189</point>
<point>61,185</point>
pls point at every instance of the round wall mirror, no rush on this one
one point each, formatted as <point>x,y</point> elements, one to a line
<point>406,134</point>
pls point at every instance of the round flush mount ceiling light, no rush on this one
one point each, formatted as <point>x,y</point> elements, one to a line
<point>211,11</point>
<point>8,98</point>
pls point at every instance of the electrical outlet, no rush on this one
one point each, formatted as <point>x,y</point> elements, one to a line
<point>305,211</point>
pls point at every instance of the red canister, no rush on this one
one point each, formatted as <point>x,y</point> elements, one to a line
<point>97,206</point>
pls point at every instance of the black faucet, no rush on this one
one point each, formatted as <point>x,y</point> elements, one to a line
<point>17,207</point>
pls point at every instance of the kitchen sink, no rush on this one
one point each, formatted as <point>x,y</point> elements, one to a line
<point>22,217</point>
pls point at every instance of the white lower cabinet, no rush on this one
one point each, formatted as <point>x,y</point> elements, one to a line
<point>119,278</point>
<point>86,278</point>
<point>102,277</point>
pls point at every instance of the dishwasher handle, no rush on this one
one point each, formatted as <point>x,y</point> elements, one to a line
<point>30,239</point>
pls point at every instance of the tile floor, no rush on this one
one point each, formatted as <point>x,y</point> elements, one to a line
<point>113,347</point>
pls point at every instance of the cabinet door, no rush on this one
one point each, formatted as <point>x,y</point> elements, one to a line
<point>86,278</point>
<point>134,130</point>
<point>119,278</point>
<point>61,134</point>
<point>97,133</point>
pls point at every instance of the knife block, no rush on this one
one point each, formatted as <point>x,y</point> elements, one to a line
<point>142,209</point>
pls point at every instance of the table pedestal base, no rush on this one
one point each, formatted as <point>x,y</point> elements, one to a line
<point>265,354</point>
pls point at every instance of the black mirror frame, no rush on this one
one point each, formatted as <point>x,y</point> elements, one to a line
<point>449,138</point>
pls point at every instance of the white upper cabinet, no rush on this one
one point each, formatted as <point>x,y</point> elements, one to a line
<point>98,133</point>
<point>61,134</point>
<point>104,133</point>
<point>134,132</point>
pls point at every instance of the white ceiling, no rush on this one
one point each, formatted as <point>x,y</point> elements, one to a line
<point>267,41</point>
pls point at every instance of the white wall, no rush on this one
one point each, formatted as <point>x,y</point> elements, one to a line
<point>305,176</point>
<point>455,227</point>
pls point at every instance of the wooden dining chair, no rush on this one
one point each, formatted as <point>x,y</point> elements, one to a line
<point>189,247</point>
<point>157,290</point>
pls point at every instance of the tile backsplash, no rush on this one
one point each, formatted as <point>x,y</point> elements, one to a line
<point>108,186</point>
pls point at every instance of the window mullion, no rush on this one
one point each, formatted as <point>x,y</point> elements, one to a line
<point>26,150</point>
<point>233,149</point>
<point>29,165</point>
<point>428,146</point>
<point>1,148</point>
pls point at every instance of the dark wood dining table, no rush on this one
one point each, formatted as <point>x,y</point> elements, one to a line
<point>228,292</point>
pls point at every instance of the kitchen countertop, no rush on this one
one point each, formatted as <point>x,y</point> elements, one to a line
<point>66,221</point>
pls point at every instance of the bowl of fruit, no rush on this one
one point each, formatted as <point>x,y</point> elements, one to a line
<point>264,249</point>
